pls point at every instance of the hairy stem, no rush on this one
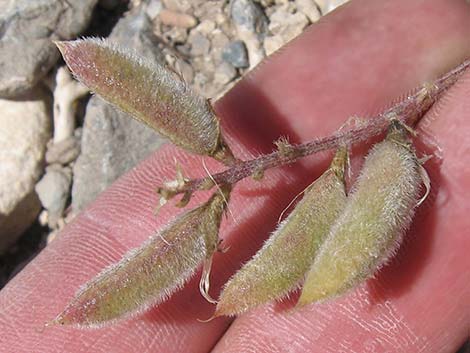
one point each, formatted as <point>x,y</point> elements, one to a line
<point>409,111</point>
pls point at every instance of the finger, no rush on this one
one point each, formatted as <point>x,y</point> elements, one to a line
<point>122,218</point>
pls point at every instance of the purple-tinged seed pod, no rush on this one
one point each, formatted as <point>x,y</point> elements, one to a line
<point>370,229</point>
<point>149,92</point>
<point>280,265</point>
<point>149,274</point>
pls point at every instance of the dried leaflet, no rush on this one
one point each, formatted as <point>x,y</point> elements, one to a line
<point>149,92</point>
<point>282,262</point>
<point>150,273</point>
<point>376,215</point>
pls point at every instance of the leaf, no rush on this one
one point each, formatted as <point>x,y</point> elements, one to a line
<point>149,92</point>
<point>369,230</point>
<point>282,262</point>
<point>151,273</point>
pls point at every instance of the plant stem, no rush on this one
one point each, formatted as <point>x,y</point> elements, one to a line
<point>409,111</point>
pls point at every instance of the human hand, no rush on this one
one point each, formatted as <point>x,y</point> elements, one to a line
<point>353,62</point>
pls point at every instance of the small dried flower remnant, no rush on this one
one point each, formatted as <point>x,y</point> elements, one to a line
<point>280,265</point>
<point>150,93</point>
<point>149,274</point>
<point>376,215</point>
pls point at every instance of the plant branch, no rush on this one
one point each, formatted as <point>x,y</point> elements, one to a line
<point>409,111</point>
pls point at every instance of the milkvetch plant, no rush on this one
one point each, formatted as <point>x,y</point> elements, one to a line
<point>149,274</point>
<point>328,244</point>
<point>282,262</point>
<point>149,92</point>
<point>370,228</point>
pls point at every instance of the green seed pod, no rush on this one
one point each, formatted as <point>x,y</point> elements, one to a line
<point>280,265</point>
<point>151,273</point>
<point>149,92</point>
<point>369,230</point>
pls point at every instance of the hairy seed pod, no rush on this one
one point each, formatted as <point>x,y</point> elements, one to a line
<point>280,265</point>
<point>149,274</point>
<point>149,92</point>
<point>369,230</point>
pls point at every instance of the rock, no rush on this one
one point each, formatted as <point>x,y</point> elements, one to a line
<point>251,24</point>
<point>153,9</point>
<point>224,73</point>
<point>181,67</point>
<point>112,142</point>
<point>176,35</point>
<point>18,221</point>
<point>236,54</point>
<point>63,152</point>
<point>249,16</point>
<point>286,24</point>
<point>177,19</point>
<point>310,9</point>
<point>266,3</point>
<point>54,190</point>
<point>200,45</point>
<point>24,132</point>
<point>206,27</point>
<point>185,70</point>
<point>201,84</point>
<point>27,30</point>
<point>178,5</point>
<point>224,78</point>
<point>208,10</point>
<point>329,5</point>
<point>219,41</point>
<point>66,93</point>
<point>272,43</point>
<point>254,47</point>
<point>109,4</point>
<point>183,49</point>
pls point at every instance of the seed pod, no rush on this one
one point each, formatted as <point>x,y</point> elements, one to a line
<point>370,229</point>
<point>282,262</point>
<point>149,92</point>
<point>149,274</point>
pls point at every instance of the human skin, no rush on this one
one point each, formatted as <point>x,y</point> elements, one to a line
<point>353,62</point>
